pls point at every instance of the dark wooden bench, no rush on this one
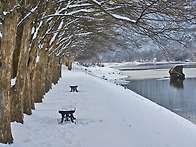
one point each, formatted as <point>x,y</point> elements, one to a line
<point>67,115</point>
<point>74,88</point>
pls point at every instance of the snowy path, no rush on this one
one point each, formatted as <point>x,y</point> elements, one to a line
<point>107,116</point>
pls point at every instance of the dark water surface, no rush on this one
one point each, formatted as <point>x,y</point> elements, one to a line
<point>177,96</point>
<point>180,100</point>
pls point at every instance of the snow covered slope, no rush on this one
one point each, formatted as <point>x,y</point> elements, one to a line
<point>107,116</point>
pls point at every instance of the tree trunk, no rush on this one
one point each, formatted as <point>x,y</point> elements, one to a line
<point>32,67</point>
<point>38,83</point>
<point>25,49</point>
<point>70,63</point>
<point>16,114</point>
<point>15,108</point>
<point>40,78</point>
<point>57,68</point>
<point>22,88</point>
<point>51,69</point>
<point>27,99</point>
<point>8,43</point>
<point>69,59</point>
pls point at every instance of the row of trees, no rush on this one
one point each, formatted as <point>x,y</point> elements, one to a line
<point>39,35</point>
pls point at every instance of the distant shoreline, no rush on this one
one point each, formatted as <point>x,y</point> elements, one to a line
<point>154,70</point>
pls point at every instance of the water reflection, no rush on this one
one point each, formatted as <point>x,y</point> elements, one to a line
<point>177,96</point>
<point>176,83</point>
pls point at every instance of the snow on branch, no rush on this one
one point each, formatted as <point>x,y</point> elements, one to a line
<point>78,5</point>
<point>81,10</point>
<point>56,33</point>
<point>72,6</point>
<point>98,3</point>
<point>115,16</point>
<point>27,15</point>
<point>37,29</point>
<point>83,34</point>
<point>62,49</point>
<point>63,45</point>
<point>123,18</point>
<point>15,7</point>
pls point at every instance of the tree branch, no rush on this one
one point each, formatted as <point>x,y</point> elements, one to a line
<point>143,12</point>
<point>114,16</point>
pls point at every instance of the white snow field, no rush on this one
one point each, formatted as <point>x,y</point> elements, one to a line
<point>108,115</point>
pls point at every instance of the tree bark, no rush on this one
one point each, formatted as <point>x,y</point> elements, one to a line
<point>40,78</point>
<point>33,66</point>
<point>8,43</point>
<point>57,69</point>
<point>25,58</point>
<point>70,62</point>
<point>21,97</point>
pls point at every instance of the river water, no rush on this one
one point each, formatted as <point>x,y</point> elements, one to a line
<point>152,81</point>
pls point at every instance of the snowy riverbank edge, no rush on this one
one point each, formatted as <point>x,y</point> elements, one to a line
<point>107,115</point>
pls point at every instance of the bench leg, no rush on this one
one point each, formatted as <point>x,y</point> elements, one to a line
<point>63,115</point>
<point>71,115</point>
<point>72,118</point>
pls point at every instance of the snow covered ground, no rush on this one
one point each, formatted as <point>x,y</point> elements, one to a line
<point>107,116</point>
